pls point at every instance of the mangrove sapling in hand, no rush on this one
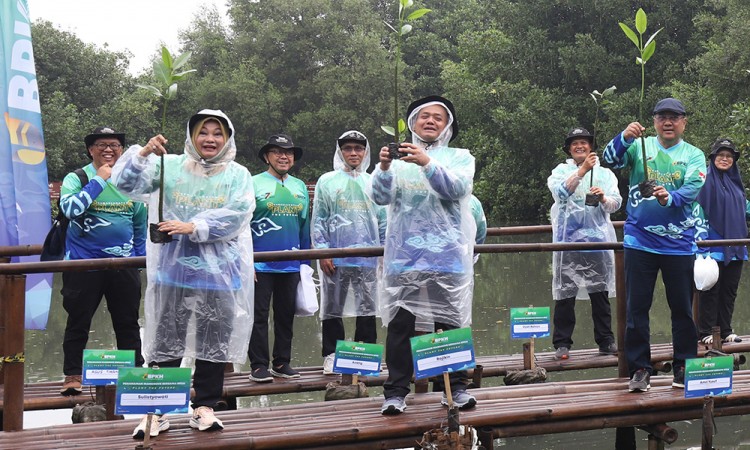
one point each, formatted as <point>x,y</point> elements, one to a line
<point>403,27</point>
<point>646,51</point>
<point>167,75</point>
<point>593,199</point>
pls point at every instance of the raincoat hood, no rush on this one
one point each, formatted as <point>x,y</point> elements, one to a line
<point>451,127</point>
<point>225,155</point>
<point>339,163</point>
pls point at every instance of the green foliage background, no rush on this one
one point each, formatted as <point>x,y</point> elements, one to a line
<point>518,71</point>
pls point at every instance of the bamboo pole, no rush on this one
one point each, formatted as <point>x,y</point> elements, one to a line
<point>12,289</point>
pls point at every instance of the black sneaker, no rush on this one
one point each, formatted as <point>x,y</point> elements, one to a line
<point>284,371</point>
<point>609,349</point>
<point>641,381</point>
<point>260,375</point>
<point>679,378</point>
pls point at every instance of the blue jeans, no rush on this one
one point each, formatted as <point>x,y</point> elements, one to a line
<point>641,270</point>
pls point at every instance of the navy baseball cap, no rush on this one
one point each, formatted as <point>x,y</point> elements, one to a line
<point>669,105</point>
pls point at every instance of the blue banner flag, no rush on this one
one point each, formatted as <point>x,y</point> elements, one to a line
<point>24,193</point>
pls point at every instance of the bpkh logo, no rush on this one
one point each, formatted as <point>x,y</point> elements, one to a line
<point>26,139</point>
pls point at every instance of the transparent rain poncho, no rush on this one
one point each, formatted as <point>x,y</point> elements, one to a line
<point>428,258</point>
<point>578,273</point>
<point>345,217</point>
<point>200,286</point>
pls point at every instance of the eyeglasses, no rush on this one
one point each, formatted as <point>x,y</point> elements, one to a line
<point>725,156</point>
<point>282,151</point>
<point>668,117</point>
<point>101,146</point>
<point>353,148</point>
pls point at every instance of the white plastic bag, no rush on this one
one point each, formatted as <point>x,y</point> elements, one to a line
<point>705,272</point>
<point>307,298</point>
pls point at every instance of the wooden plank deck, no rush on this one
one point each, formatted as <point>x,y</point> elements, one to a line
<point>40,396</point>
<point>505,411</point>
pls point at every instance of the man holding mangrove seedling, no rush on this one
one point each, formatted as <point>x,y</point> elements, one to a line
<point>429,241</point>
<point>659,235</point>
<point>576,218</point>
<point>345,217</point>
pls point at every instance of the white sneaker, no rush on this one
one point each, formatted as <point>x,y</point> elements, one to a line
<point>204,419</point>
<point>328,364</point>
<point>158,424</point>
<point>732,338</point>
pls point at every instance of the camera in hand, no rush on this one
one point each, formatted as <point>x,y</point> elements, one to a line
<point>393,151</point>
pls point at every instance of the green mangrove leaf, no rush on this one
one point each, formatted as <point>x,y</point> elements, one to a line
<point>401,125</point>
<point>641,21</point>
<point>162,73</point>
<point>388,130</point>
<point>630,34</point>
<point>418,13</point>
<point>649,51</point>
<point>154,90</point>
<point>166,57</point>
<point>609,90</point>
<point>171,91</point>
<point>181,75</point>
<point>181,60</point>
<point>653,36</point>
<point>406,29</point>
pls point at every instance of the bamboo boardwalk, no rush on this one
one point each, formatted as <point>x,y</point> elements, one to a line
<point>40,396</point>
<point>501,412</point>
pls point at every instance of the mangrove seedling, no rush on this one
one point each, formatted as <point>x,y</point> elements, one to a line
<point>167,75</point>
<point>591,199</point>
<point>402,28</point>
<point>646,50</point>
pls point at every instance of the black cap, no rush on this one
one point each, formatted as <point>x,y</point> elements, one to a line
<point>102,132</point>
<point>352,136</point>
<point>282,141</point>
<point>670,105</point>
<point>724,143</point>
<point>436,98</point>
<point>577,133</point>
<point>198,117</point>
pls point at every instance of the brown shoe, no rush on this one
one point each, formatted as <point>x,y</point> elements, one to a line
<point>71,385</point>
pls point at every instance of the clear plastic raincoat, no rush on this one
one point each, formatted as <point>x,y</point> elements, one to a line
<point>345,217</point>
<point>428,257</point>
<point>577,273</point>
<point>200,285</point>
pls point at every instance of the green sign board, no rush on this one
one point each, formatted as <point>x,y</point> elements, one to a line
<point>100,366</point>
<point>449,351</point>
<point>356,358</point>
<point>708,376</point>
<point>529,322</point>
<point>159,391</point>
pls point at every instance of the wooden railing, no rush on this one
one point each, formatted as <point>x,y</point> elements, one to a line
<point>13,282</point>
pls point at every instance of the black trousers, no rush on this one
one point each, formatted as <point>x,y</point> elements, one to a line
<point>399,360</point>
<point>333,330</point>
<point>357,280</point>
<point>564,320</point>
<point>82,293</point>
<point>717,304</point>
<point>282,287</point>
<point>208,380</point>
